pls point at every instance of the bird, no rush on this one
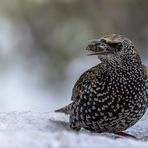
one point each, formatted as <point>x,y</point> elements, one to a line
<point>111,96</point>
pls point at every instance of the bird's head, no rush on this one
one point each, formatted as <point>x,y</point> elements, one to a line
<point>111,47</point>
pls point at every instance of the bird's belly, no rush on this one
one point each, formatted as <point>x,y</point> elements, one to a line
<point>112,124</point>
<point>111,116</point>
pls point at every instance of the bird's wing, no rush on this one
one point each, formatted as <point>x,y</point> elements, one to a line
<point>88,77</point>
<point>85,78</point>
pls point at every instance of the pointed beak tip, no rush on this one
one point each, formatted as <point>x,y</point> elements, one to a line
<point>93,41</point>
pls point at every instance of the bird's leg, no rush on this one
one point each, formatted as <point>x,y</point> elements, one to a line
<point>125,135</point>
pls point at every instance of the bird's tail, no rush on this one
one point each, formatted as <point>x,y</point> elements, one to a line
<point>66,110</point>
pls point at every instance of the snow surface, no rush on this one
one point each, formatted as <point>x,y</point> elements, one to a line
<point>51,130</point>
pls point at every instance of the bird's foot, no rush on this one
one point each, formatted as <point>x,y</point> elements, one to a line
<point>124,134</point>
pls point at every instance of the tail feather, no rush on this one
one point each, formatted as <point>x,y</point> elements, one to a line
<point>65,110</point>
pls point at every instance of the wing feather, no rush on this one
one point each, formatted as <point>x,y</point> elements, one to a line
<point>86,77</point>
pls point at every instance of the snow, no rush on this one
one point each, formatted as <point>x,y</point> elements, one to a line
<point>51,130</point>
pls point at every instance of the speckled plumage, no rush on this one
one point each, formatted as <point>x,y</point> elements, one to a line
<point>111,96</point>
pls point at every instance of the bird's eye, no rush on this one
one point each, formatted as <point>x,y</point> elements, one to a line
<point>117,46</point>
<point>103,40</point>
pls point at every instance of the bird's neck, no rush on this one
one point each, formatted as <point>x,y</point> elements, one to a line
<point>130,62</point>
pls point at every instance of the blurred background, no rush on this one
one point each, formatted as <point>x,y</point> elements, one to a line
<point>42,46</point>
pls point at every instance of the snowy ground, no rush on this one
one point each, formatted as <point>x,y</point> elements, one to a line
<point>50,130</point>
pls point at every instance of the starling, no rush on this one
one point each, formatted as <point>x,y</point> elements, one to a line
<point>111,96</point>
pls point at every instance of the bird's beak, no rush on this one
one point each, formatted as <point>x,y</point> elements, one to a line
<point>97,47</point>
